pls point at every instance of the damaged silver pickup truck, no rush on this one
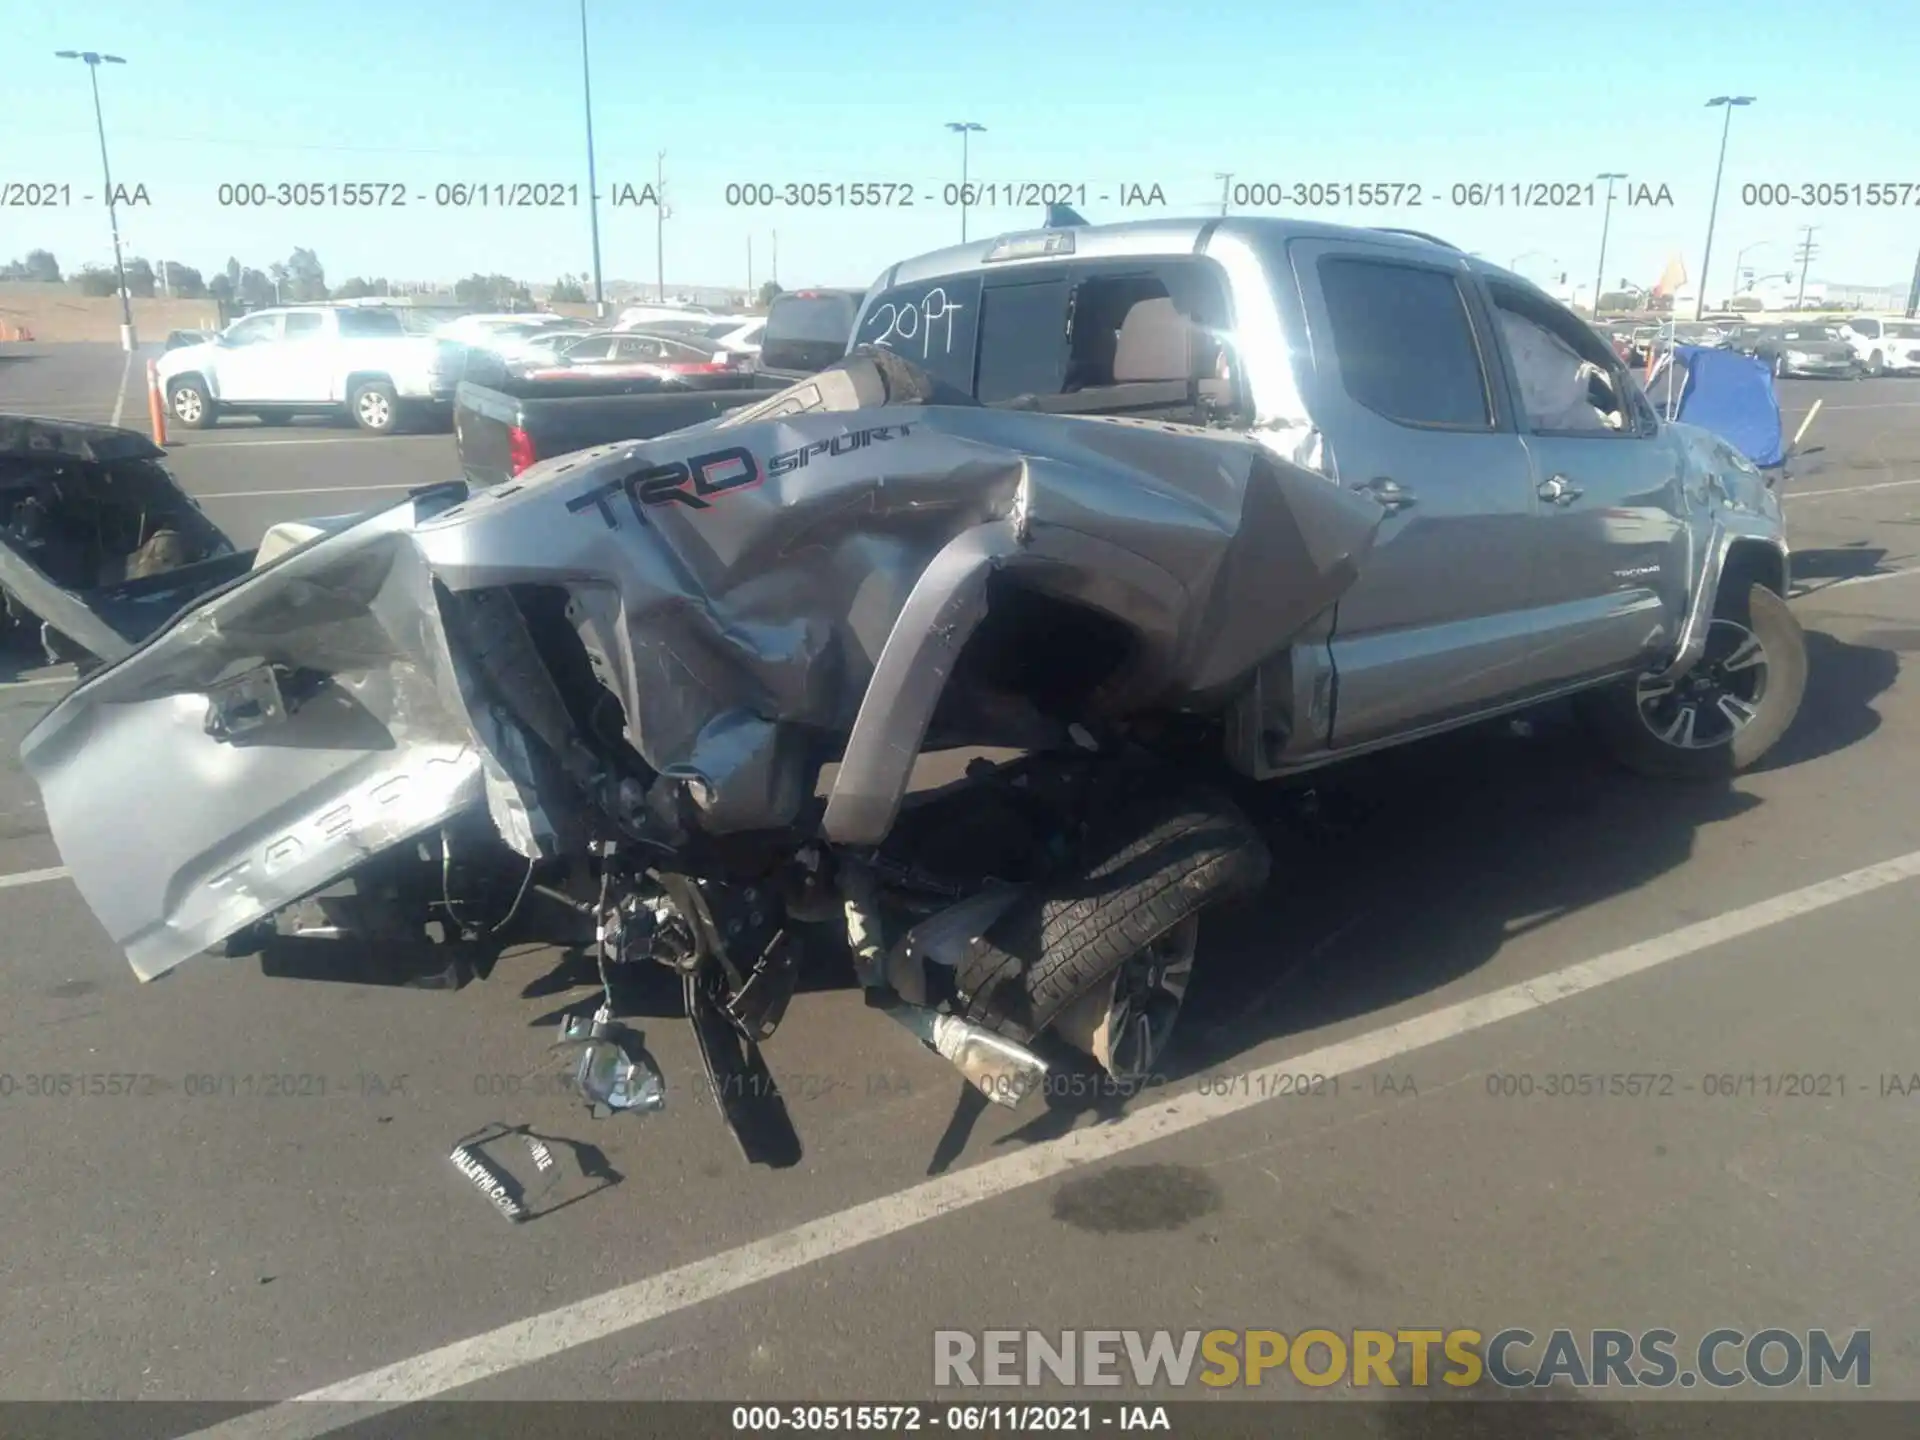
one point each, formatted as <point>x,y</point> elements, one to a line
<point>1141,505</point>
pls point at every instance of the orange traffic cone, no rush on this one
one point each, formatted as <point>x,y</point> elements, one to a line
<point>156,406</point>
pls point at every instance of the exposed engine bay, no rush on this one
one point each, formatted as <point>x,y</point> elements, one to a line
<point>677,690</point>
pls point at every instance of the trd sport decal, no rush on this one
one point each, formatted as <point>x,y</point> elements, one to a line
<point>693,483</point>
<point>787,461</point>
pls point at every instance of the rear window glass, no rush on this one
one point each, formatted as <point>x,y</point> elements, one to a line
<point>807,332</point>
<point>934,323</point>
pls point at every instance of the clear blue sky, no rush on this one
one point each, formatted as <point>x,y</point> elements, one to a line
<point>1105,92</point>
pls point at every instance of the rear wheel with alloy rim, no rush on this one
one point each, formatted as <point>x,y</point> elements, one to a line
<point>189,403</point>
<point>1724,713</point>
<point>375,406</point>
<point>1125,1023</point>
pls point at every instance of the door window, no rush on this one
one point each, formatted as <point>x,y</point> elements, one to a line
<point>1405,343</point>
<point>305,325</point>
<point>254,330</point>
<point>1570,382</point>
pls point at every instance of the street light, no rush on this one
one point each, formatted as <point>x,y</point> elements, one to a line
<point>965,128</point>
<point>1731,102</point>
<point>1606,223</point>
<point>1740,256</point>
<point>1514,264</point>
<point>593,189</point>
<point>94,60</point>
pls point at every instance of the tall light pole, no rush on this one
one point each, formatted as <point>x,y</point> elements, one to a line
<point>660,223</point>
<point>1731,102</point>
<point>593,186</point>
<point>1606,223</point>
<point>1225,177</point>
<point>965,128</point>
<point>1514,264</point>
<point>94,60</point>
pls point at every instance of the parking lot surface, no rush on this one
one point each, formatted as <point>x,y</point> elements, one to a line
<point>1360,1126</point>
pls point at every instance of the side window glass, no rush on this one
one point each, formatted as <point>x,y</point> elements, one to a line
<point>304,325</point>
<point>1023,340</point>
<point>253,330</point>
<point>1569,382</point>
<point>1405,343</point>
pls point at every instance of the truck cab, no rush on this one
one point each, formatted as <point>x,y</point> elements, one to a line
<point>1546,531</point>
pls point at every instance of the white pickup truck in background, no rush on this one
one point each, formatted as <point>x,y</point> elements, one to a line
<point>307,359</point>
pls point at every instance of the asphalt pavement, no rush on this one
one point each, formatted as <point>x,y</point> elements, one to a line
<point>1364,1123</point>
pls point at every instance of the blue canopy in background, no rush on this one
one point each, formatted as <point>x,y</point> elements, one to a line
<point>1731,395</point>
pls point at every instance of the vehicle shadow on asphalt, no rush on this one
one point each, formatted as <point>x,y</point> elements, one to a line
<point>1405,871</point>
<point>1847,562</point>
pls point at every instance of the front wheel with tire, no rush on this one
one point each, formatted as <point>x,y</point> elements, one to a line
<point>1723,714</point>
<point>1102,956</point>
<point>375,406</point>
<point>1876,362</point>
<point>189,403</point>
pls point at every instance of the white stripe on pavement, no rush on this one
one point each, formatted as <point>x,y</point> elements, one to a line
<point>1846,490</point>
<point>32,877</point>
<point>315,490</point>
<point>1858,580</point>
<point>120,399</point>
<point>208,442</point>
<point>525,1342</point>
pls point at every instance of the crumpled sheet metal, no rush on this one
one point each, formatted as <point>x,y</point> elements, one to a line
<point>742,582</point>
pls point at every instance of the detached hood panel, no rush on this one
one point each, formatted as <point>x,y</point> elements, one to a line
<point>738,588</point>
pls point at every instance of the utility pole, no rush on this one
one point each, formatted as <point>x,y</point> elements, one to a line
<point>1731,103</point>
<point>1225,177</point>
<point>593,188</point>
<point>94,60</point>
<point>1606,224</point>
<point>776,257</point>
<point>749,268</point>
<point>1913,290</point>
<point>660,223</point>
<point>1804,253</point>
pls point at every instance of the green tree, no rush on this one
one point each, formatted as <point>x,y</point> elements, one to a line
<point>254,289</point>
<point>140,281</point>
<point>303,277</point>
<point>39,265</point>
<point>353,288</point>
<point>183,281</point>
<point>767,292</point>
<point>95,280</point>
<point>567,290</point>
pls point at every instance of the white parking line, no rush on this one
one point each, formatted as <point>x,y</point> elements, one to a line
<point>1847,490</point>
<point>526,1342</point>
<point>1859,580</point>
<point>32,877</point>
<point>120,398</point>
<point>315,490</point>
<point>207,442</point>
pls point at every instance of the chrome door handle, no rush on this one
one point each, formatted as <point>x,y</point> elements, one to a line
<point>1391,495</point>
<point>1560,490</point>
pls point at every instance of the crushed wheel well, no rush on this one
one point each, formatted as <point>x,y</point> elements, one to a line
<point>1752,562</point>
<point>1055,653</point>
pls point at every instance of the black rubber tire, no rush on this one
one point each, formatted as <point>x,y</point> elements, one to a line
<point>1156,859</point>
<point>1615,715</point>
<point>206,413</point>
<point>375,387</point>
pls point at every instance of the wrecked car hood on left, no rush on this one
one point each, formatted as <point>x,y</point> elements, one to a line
<point>97,540</point>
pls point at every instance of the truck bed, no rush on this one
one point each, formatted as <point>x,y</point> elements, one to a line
<point>558,415</point>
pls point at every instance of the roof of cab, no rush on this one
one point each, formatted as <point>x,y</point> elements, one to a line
<point>1148,237</point>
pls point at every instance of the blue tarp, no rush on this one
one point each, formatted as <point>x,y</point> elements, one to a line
<point>1732,395</point>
